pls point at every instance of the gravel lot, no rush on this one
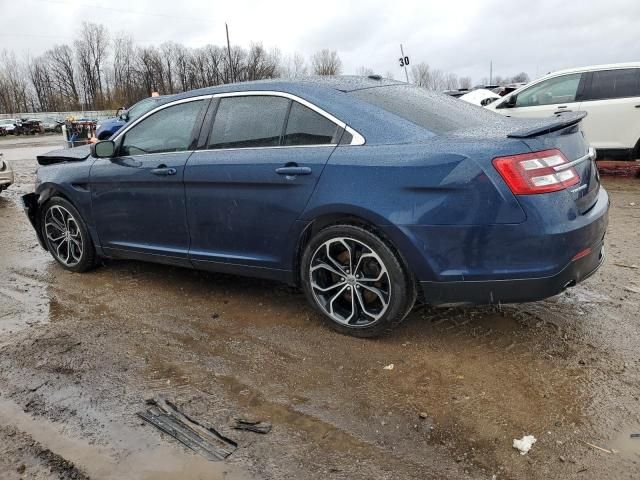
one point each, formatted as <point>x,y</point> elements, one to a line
<point>79,354</point>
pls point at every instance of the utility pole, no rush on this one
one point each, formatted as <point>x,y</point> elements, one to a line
<point>404,61</point>
<point>233,75</point>
<point>491,72</point>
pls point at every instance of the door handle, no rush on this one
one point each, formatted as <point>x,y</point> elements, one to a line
<point>561,111</point>
<point>292,171</point>
<point>164,171</point>
<point>637,106</point>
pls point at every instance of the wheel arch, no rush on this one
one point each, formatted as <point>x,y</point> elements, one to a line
<point>46,192</point>
<point>367,222</point>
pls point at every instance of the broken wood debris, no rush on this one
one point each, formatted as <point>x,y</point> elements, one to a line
<point>206,441</point>
<point>256,426</point>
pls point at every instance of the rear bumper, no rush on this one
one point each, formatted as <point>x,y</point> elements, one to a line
<point>514,290</point>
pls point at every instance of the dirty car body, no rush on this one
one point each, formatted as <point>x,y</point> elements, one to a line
<point>469,206</point>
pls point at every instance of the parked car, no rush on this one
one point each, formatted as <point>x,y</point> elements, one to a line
<point>28,126</point>
<point>457,93</point>
<point>610,94</point>
<point>481,97</point>
<point>8,124</point>
<point>107,128</point>
<point>52,125</point>
<point>6,174</point>
<point>365,192</point>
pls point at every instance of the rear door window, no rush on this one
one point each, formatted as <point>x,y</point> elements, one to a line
<point>608,84</point>
<point>556,90</point>
<point>306,127</point>
<point>248,122</point>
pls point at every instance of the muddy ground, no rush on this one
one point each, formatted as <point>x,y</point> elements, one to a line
<point>79,354</point>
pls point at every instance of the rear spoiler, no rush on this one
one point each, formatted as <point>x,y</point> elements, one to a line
<point>76,154</point>
<point>548,125</point>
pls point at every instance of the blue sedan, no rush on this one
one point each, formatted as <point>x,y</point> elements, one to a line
<point>367,193</point>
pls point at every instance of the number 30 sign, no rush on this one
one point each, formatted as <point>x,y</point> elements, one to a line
<point>404,61</point>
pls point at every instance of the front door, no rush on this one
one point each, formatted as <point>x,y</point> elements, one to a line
<point>138,197</point>
<point>253,179</point>
<point>544,99</point>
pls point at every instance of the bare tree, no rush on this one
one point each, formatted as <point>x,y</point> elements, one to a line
<point>14,87</point>
<point>260,64</point>
<point>63,73</point>
<point>421,75</point>
<point>326,62</point>
<point>465,82</point>
<point>91,54</point>
<point>293,67</point>
<point>521,77</point>
<point>451,81</point>
<point>364,71</point>
<point>126,88</point>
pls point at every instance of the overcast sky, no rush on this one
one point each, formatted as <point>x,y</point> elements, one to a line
<point>459,36</point>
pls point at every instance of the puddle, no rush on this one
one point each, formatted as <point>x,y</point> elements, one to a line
<point>626,446</point>
<point>144,461</point>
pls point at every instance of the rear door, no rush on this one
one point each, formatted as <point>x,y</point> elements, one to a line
<point>612,100</point>
<point>544,99</point>
<point>252,179</point>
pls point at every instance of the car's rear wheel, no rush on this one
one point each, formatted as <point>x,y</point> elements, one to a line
<point>356,281</point>
<point>66,235</point>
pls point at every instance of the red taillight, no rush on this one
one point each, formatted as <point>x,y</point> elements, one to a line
<point>537,172</point>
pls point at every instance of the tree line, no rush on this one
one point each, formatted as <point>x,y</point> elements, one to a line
<point>99,71</point>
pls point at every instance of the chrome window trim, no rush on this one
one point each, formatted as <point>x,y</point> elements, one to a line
<point>157,109</point>
<point>356,140</point>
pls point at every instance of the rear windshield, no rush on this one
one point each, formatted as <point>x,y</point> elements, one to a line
<point>437,112</point>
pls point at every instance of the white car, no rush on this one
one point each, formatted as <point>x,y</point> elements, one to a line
<point>481,97</point>
<point>6,174</point>
<point>610,94</point>
<point>9,124</point>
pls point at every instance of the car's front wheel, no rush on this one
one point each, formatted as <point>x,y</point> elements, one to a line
<point>66,235</point>
<point>356,281</point>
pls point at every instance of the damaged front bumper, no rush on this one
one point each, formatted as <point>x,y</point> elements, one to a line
<point>31,206</point>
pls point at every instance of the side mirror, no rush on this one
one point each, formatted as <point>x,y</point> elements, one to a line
<point>124,114</point>
<point>103,149</point>
<point>510,102</point>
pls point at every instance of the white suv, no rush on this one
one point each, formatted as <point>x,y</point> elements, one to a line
<point>610,94</point>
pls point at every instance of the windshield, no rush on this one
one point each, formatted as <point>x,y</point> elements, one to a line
<point>431,110</point>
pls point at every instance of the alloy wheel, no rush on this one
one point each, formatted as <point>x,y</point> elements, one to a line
<point>63,235</point>
<point>350,282</point>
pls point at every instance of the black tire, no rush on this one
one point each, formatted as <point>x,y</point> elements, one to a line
<point>77,259</point>
<point>374,253</point>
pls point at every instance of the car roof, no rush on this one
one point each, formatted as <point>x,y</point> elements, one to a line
<point>342,83</point>
<point>607,66</point>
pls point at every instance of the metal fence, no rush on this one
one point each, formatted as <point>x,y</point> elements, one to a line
<point>91,114</point>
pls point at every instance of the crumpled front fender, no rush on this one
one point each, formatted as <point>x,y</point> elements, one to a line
<point>31,203</point>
